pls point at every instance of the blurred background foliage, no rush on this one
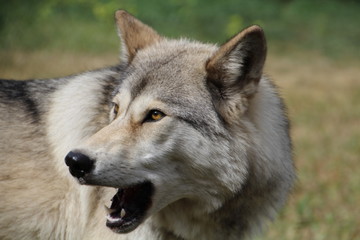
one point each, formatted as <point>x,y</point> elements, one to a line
<point>329,27</point>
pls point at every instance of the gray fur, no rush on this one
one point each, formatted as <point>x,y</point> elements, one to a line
<point>219,160</point>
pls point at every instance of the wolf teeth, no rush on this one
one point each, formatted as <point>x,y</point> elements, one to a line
<point>111,219</point>
<point>122,213</point>
<point>107,209</point>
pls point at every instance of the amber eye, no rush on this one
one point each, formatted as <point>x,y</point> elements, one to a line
<point>116,109</point>
<point>154,115</point>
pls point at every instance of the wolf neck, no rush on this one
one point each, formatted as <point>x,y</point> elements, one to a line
<point>179,222</point>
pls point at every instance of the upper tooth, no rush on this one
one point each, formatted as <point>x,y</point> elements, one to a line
<point>107,209</point>
<point>122,213</point>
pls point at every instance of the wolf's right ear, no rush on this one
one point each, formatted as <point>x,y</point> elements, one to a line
<point>134,35</point>
<point>234,71</point>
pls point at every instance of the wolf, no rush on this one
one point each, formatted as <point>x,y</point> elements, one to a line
<point>180,141</point>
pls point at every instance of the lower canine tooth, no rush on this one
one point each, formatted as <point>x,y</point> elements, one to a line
<point>122,213</point>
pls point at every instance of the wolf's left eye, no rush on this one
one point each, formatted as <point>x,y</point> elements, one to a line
<point>154,115</point>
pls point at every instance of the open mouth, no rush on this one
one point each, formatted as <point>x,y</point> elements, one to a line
<point>129,207</point>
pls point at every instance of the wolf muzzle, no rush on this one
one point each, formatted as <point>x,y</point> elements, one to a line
<point>79,164</point>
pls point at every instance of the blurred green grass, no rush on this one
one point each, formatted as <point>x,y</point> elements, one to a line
<point>314,57</point>
<point>329,27</point>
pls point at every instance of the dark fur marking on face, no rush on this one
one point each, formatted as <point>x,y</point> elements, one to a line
<point>111,88</point>
<point>18,92</point>
<point>196,116</point>
<point>201,127</point>
<point>125,71</point>
<point>138,88</point>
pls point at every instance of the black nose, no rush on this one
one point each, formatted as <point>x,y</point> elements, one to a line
<point>79,164</point>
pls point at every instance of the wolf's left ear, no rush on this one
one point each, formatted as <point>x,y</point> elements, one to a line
<point>234,71</point>
<point>134,35</point>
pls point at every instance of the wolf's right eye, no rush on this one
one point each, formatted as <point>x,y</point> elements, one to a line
<point>115,109</point>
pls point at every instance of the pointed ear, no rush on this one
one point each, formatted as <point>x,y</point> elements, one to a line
<point>234,71</point>
<point>134,35</point>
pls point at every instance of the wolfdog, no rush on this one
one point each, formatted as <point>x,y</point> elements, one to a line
<point>188,141</point>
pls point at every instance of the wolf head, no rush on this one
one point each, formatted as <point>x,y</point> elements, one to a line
<point>187,128</point>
